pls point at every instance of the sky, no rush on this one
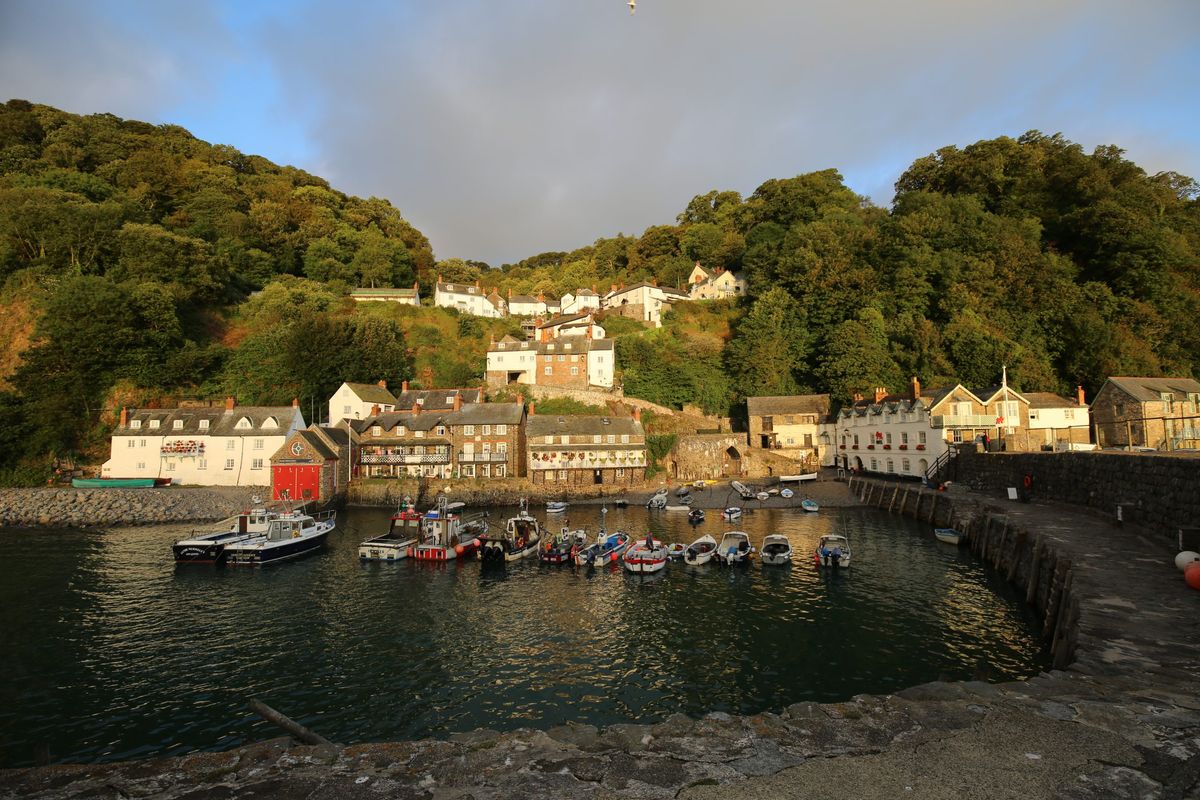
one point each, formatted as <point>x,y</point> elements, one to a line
<point>506,128</point>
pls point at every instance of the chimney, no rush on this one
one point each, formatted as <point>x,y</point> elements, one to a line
<point>403,387</point>
<point>375,411</point>
<point>124,417</point>
<point>637,414</point>
<point>916,388</point>
<point>613,286</point>
<point>593,287</point>
<point>880,393</point>
<point>458,401</point>
<point>416,285</point>
<point>1079,398</point>
<point>439,278</point>
<point>230,403</point>
<point>382,384</point>
<point>510,293</point>
<point>295,402</point>
<point>531,409</point>
<point>477,283</point>
<point>857,397</point>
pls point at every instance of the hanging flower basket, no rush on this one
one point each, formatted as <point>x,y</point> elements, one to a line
<point>903,447</point>
<point>920,447</point>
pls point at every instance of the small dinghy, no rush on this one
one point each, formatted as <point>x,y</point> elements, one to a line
<point>742,489</point>
<point>833,550</point>
<point>556,506</point>
<point>948,535</point>
<point>646,555</point>
<point>732,513</point>
<point>676,549</point>
<point>809,505</point>
<point>682,491</point>
<point>786,494</point>
<point>658,499</point>
<point>607,549</point>
<point>696,516</point>
<point>700,551</point>
<point>734,548</point>
<point>763,496</point>
<point>562,548</point>
<point>776,549</point>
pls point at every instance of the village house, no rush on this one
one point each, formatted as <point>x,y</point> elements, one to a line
<point>1056,423</point>
<point>1162,413</point>
<point>585,450</point>
<point>891,434</point>
<point>642,301</point>
<point>355,401</point>
<point>715,285</point>
<point>568,325</point>
<point>311,465</point>
<point>582,301</point>
<point>488,439</point>
<point>407,297</point>
<point>469,299</point>
<point>794,426</point>
<point>573,362</point>
<point>204,445</point>
<point>523,305</point>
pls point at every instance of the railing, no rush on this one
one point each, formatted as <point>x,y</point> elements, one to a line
<point>467,458</point>
<point>964,421</point>
<point>397,458</point>
<point>935,472</point>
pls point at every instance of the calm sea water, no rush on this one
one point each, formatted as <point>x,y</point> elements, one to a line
<point>111,652</point>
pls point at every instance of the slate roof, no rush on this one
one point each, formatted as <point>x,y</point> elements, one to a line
<point>372,393</point>
<point>487,414</point>
<point>563,320</point>
<point>436,399</point>
<point>220,421</point>
<point>558,346</point>
<point>459,288</point>
<point>1049,400</point>
<point>988,394</point>
<point>788,404</point>
<point>547,425</point>
<point>1150,389</point>
<point>315,441</point>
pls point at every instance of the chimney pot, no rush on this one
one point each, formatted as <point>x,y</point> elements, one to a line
<point>637,414</point>
<point>375,411</point>
<point>383,384</point>
<point>295,402</point>
<point>1079,396</point>
<point>458,401</point>
<point>124,417</point>
<point>403,387</point>
<point>916,388</point>
<point>230,403</point>
<point>858,397</point>
<point>880,393</point>
<point>531,409</point>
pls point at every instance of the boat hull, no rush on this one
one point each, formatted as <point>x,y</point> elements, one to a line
<point>434,552</point>
<point>609,555</point>
<point>118,483</point>
<point>385,550</point>
<point>275,552</point>
<point>948,535</point>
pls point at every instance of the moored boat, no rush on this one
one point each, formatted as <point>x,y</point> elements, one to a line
<point>658,499</point>
<point>119,483</point>
<point>563,547</point>
<point>607,549</point>
<point>403,532</point>
<point>742,489</point>
<point>786,494</point>
<point>947,535</point>
<point>646,555</point>
<point>734,548</point>
<point>732,513</point>
<point>807,476</point>
<point>833,550</point>
<point>809,505</point>
<point>209,547</point>
<point>676,549</point>
<point>696,516</point>
<point>776,549</point>
<point>447,535</point>
<point>763,496</point>
<point>677,508</point>
<point>700,551</point>
<point>556,506</point>
<point>520,538</point>
<point>289,536</point>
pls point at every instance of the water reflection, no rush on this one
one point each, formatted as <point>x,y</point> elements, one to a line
<point>114,653</point>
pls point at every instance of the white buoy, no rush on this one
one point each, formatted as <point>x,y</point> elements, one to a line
<point>1186,557</point>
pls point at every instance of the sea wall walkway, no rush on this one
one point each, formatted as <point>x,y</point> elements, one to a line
<point>1120,718</point>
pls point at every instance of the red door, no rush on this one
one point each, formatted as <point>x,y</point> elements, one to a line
<point>296,479</point>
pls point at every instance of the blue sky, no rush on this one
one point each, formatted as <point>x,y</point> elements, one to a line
<point>504,129</point>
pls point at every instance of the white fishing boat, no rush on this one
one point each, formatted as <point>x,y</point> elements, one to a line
<point>658,499</point>
<point>447,535</point>
<point>833,550</point>
<point>520,538</point>
<point>676,549</point>
<point>556,506</point>
<point>209,547</point>
<point>646,555</point>
<point>607,549</point>
<point>807,476</point>
<point>809,505</point>
<point>292,535</point>
<point>700,551</point>
<point>948,535</point>
<point>734,548</point>
<point>776,549</point>
<point>732,513</point>
<point>404,531</point>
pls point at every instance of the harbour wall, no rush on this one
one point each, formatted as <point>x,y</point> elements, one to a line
<point>98,508</point>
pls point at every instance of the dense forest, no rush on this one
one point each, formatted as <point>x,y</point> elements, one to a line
<point>139,264</point>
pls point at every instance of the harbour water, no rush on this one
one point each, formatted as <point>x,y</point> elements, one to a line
<point>111,652</point>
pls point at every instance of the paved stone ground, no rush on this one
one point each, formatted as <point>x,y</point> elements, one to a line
<point>1123,721</point>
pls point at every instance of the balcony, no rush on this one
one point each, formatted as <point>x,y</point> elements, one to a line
<point>182,448</point>
<point>472,458</point>
<point>399,458</point>
<point>965,421</point>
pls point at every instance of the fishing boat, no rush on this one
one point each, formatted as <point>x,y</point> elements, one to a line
<point>786,494</point>
<point>447,535</point>
<point>809,505</point>
<point>700,551</point>
<point>734,548</point>
<point>119,483</point>
<point>658,499</point>
<point>833,550</point>
<point>291,535</point>
<point>556,506</point>
<point>776,549</point>
<point>403,532</point>
<point>563,547</point>
<point>732,513</point>
<point>520,538</point>
<point>948,535</point>
<point>607,549</point>
<point>209,547</point>
<point>646,555</point>
<point>676,549</point>
<point>742,489</point>
<point>696,516</point>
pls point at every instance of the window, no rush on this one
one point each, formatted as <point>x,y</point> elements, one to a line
<point>132,443</point>
<point>904,438</point>
<point>904,464</point>
<point>889,437</point>
<point>1068,413</point>
<point>921,437</point>
<point>177,424</point>
<point>549,370</point>
<point>376,430</point>
<point>345,411</point>
<point>501,470</point>
<point>256,463</point>
<point>564,439</point>
<point>624,438</point>
<point>612,438</point>
<point>487,430</point>
<point>141,442</point>
<point>574,370</point>
<point>562,357</point>
<point>891,466</point>
<point>135,424</point>
<point>170,465</point>
<point>229,463</point>
<point>874,465</point>
<point>468,470</point>
<point>244,422</point>
<point>562,474</point>
<point>441,430</point>
<point>230,444</point>
<point>203,424</point>
<point>258,444</point>
<point>487,447</point>
<point>620,473</point>
<point>418,434</point>
<point>501,430</point>
<point>468,430</point>
<point>856,440</point>
<point>153,423</point>
<point>141,465</point>
<point>502,447</point>
<point>1033,415</point>
<point>808,442</point>
<point>549,439</point>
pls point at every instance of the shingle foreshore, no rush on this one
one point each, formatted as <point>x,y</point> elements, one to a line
<point>97,508</point>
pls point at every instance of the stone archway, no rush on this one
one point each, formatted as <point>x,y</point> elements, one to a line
<point>732,461</point>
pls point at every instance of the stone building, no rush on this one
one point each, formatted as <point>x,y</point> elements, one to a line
<point>403,444</point>
<point>1162,413</point>
<point>574,362</point>
<point>795,426</point>
<point>585,450</point>
<point>309,465</point>
<point>488,439</point>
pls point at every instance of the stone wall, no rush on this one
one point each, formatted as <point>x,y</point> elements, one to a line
<point>1157,491</point>
<point>87,508</point>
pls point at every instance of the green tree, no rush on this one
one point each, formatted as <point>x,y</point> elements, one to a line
<point>769,346</point>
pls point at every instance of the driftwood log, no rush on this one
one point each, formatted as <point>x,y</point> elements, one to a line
<point>291,726</point>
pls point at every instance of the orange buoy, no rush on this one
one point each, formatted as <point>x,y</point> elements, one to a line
<point>1192,575</point>
<point>458,548</point>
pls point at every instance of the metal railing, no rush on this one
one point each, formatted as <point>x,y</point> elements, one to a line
<point>398,458</point>
<point>964,421</point>
<point>468,458</point>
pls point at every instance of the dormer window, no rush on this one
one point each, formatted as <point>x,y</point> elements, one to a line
<point>135,424</point>
<point>177,424</point>
<point>376,430</point>
<point>270,422</point>
<point>153,423</point>
<point>450,400</point>
<point>203,424</point>
<point>244,423</point>
<point>1165,396</point>
<point>566,346</point>
<point>550,346</point>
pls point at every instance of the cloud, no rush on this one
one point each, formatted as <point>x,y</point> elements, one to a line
<point>505,129</point>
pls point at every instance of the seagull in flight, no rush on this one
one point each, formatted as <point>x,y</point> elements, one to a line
<point>632,6</point>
